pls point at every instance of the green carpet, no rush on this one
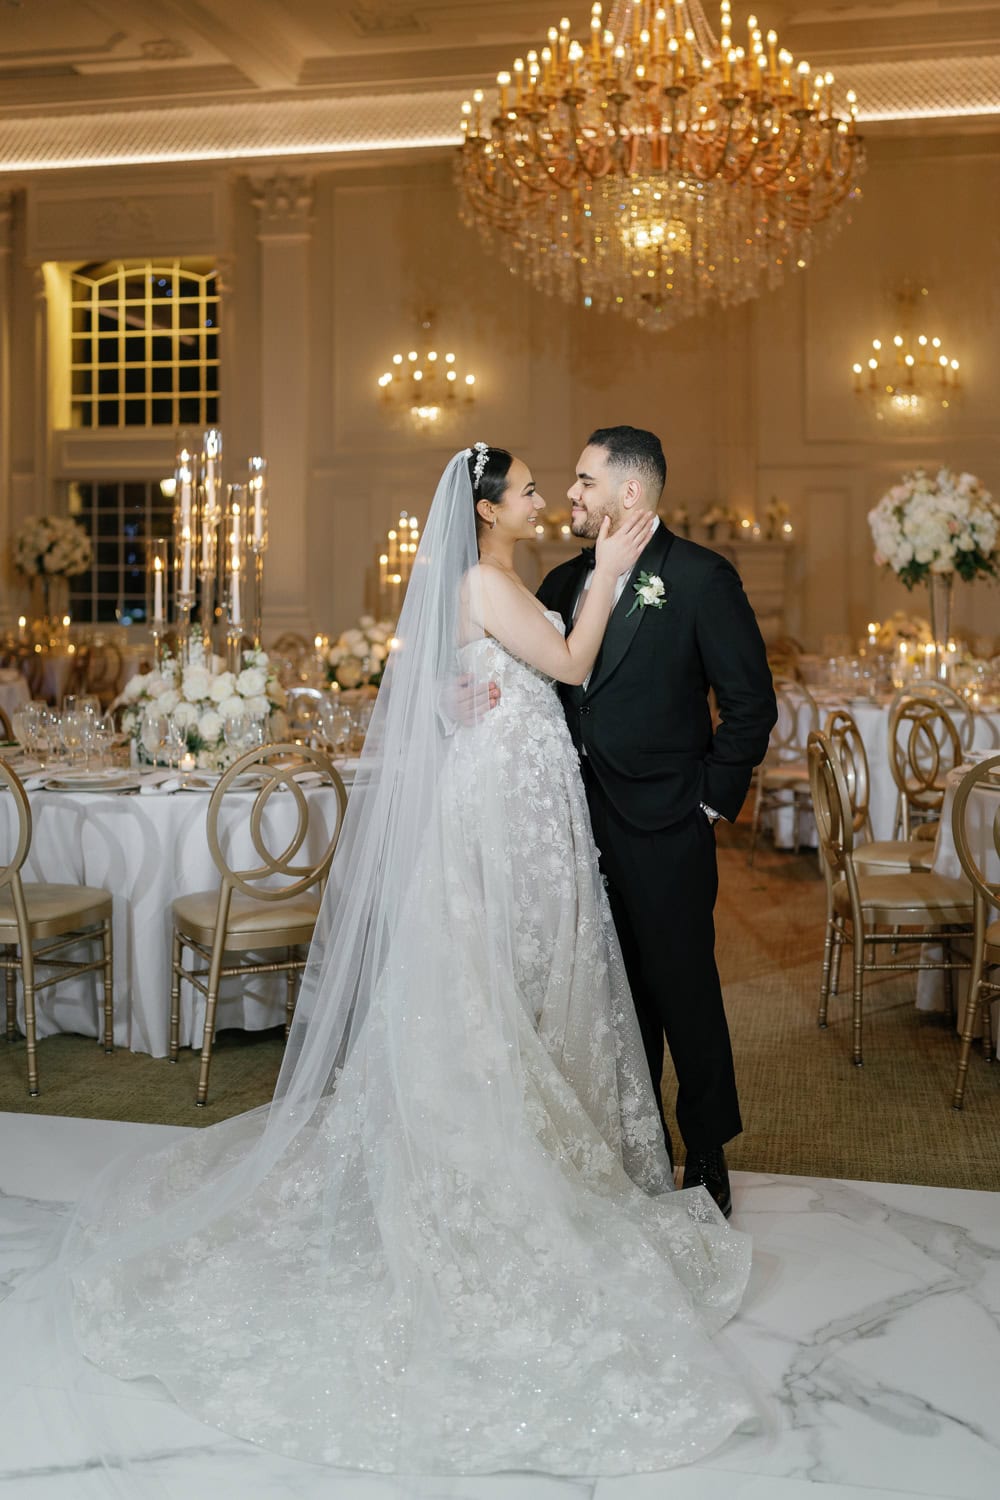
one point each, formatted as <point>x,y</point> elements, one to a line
<point>806,1109</point>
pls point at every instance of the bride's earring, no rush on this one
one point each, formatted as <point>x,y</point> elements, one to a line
<point>493,524</point>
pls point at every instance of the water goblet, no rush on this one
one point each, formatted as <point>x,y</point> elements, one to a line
<point>153,733</point>
<point>46,735</point>
<point>73,722</point>
<point>102,731</point>
<point>176,742</point>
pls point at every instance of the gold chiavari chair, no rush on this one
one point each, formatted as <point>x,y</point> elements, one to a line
<point>984,778</point>
<point>273,904</point>
<point>938,907</point>
<point>924,745</point>
<point>956,707</point>
<point>890,856</point>
<point>784,770</point>
<point>103,671</point>
<point>55,917</point>
<point>6,728</point>
<point>291,644</point>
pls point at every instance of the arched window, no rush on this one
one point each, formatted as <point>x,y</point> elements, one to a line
<point>145,344</point>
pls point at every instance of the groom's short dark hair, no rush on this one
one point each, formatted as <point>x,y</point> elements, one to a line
<point>634,448</point>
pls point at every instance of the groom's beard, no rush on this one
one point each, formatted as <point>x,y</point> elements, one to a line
<point>589,527</point>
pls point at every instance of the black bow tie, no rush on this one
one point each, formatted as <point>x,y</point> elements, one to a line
<point>588,556</point>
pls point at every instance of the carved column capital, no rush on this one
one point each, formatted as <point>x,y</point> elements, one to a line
<point>284,206</point>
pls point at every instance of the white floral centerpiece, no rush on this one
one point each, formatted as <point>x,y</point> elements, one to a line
<point>199,696</point>
<point>903,629</point>
<point>51,547</point>
<point>936,525</point>
<point>358,657</point>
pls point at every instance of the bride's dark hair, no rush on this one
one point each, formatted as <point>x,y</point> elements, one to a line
<point>492,485</point>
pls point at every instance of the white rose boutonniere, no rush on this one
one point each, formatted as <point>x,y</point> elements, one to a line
<point>649,590</point>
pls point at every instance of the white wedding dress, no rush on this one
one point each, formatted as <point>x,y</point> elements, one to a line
<point>471,1258</point>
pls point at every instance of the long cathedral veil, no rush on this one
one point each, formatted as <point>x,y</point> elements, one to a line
<point>389,835</point>
<point>423,1164</point>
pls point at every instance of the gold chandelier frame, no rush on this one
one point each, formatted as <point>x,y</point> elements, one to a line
<point>657,170</point>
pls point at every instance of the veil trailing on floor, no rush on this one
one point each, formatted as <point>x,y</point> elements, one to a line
<point>425,1255</point>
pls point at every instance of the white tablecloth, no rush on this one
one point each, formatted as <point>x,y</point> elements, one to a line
<point>872,720</point>
<point>147,849</point>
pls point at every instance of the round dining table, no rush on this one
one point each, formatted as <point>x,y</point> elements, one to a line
<point>146,843</point>
<point>872,719</point>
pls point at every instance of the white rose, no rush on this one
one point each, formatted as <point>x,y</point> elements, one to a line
<point>257,706</point>
<point>349,672</point>
<point>210,726</point>
<point>168,700</point>
<point>184,715</point>
<point>232,705</point>
<point>251,682</point>
<point>223,687</point>
<point>366,622</point>
<point>156,686</point>
<point>136,686</point>
<point>196,684</point>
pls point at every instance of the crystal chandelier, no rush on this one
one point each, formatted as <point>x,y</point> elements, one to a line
<point>657,171</point>
<point>910,374</point>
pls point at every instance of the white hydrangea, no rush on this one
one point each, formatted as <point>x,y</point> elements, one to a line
<point>251,682</point>
<point>54,545</point>
<point>210,726</point>
<point>199,698</point>
<point>196,683</point>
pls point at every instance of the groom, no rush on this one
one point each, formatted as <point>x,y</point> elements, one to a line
<point>658,777</point>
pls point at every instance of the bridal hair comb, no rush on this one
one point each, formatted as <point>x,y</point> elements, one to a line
<point>482,452</point>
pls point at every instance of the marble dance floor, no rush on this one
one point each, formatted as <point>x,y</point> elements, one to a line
<point>871,1329</point>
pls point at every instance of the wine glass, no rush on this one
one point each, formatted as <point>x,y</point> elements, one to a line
<point>46,735</point>
<point>73,723</point>
<point>100,733</point>
<point>153,734</point>
<point>176,742</point>
<point>90,704</point>
<point>233,730</point>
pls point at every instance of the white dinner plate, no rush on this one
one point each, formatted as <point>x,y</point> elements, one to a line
<point>207,781</point>
<point>110,780</point>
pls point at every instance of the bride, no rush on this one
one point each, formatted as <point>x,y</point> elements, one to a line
<point>451,1242</point>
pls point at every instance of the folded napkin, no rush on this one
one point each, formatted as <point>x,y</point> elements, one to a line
<point>160,783</point>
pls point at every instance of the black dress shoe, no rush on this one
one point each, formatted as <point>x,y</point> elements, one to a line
<point>708,1169</point>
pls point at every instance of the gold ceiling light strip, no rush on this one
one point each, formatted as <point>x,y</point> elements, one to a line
<point>654,169</point>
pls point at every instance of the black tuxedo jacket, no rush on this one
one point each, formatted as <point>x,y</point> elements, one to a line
<point>644,721</point>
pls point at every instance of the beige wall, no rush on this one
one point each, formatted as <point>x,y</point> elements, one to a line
<point>749,403</point>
